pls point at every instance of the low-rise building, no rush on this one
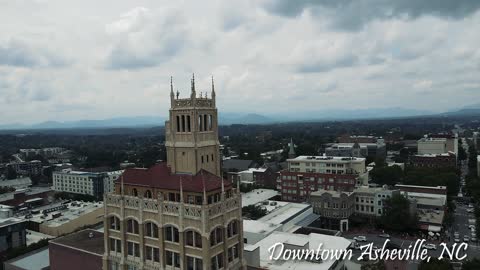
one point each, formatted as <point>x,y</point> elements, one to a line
<point>306,174</point>
<point>444,160</point>
<point>89,183</point>
<point>372,150</point>
<point>30,168</point>
<point>334,208</point>
<point>12,233</point>
<point>18,183</point>
<point>77,251</point>
<point>429,145</point>
<point>263,177</point>
<point>258,255</point>
<point>422,189</point>
<point>35,260</point>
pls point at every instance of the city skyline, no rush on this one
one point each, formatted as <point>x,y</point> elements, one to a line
<point>70,61</point>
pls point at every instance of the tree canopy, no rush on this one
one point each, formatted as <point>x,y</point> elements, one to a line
<point>397,214</point>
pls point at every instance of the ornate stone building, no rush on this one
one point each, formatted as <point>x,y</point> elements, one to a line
<point>180,214</point>
<point>192,133</point>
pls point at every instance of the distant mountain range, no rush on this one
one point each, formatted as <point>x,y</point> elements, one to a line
<point>228,118</point>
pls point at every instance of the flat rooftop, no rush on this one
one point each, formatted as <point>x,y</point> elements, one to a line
<point>424,187</point>
<point>87,240</point>
<point>74,211</point>
<point>258,195</point>
<point>282,212</point>
<point>328,242</point>
<point>326,159</point>
<point>258,226</point>
<point>427,198</point>
<point>36,260</point>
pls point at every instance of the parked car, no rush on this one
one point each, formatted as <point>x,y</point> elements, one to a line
<point>429,246</point>
<point>360,238</point>
<point>457,240</point>
<point>466,239</point>
<point>384,235</point>
<point>470,210</point>
<point>474,238</point>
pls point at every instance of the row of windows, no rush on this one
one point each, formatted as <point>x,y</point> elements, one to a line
<point>172,258</point>
<point>184,123</point>
<point>192,238</point>
<point>207,158</point>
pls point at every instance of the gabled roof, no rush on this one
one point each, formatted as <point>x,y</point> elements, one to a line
<point>160,176</point>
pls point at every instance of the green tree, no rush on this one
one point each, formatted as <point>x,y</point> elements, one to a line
<point>387,175</point>
<point>397,214</point>
<point>253,212</point>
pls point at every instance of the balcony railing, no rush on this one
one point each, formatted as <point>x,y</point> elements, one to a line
<point>192,211</point>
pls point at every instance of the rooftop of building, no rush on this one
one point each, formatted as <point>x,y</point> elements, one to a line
<point>259,226</point>
<point>366,189</point>
<point>314,241</point>
<point>326,158</point>
<point>65,212</point>
<point>423,187</point>
<point>431,216</point>
<point>333,193</point>
<point>19,182</point>
<point>237,164</point>
<point>427,198</point>
<point>350,145</point>
<point>87,240</point>
<point>28,191</point>
<point>430,139</point>
<point>160,176</point>
<point>5,222</point>
<point>252,170</point>
<point>36,260</point>
<point>281,212</point>
<point>258,195</point>
<point>449,154</point>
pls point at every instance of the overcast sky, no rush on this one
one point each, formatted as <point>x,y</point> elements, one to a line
<point>69,60</point>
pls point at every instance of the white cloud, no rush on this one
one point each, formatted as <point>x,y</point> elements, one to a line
<point>90,59</point>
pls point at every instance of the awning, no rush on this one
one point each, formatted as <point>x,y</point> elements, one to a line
<point>432,228</point>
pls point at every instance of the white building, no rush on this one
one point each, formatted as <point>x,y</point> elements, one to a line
<point>258,255</point>
<point>110,180</point>
<point>89,183</point>
<point>432,146</point>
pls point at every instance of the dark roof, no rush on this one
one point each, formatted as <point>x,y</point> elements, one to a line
<point>81,240</point>
<point>160,176</point>
<point>237,164</point>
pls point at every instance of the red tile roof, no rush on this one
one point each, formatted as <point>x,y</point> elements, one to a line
<point>160,176</point>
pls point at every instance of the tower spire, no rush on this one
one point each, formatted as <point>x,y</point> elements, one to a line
<point>291,152</point>
<point>213,92</point>
<point>193,94</point>
<point>172,95</point>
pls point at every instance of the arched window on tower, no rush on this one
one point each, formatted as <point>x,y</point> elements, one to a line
<point>210,123</point>
<point>178,123</point>
<point>200,123</point>
<point>189,126</point>
<point>183,123</point>
<point>205,126</point>
<point>134,192</point>
<point>148,194</point>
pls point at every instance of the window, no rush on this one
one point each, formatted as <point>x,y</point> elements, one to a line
<point>152,254</point>
<point>189,128</point>
<point>171,234</point>
<point>178,123</point>
<point>148,194</point>
<point>173,258</point>
<point>200,127</point>
<point>232,228</point>
<point>151,229</point>
<point>193,239</point>
<point>216,236</point>
<point>194,263</point>
<point>233,253</point>
<point>115,245</point>
<point>133,249</point>
<point>114,223</point>
<point>132,226</point>
<point>134,192</point>
<point>217,261</point>
<point>183,123</point>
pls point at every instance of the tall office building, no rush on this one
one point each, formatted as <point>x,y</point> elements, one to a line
<point>180,214</point>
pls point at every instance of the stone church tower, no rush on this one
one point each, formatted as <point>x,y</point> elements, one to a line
<point>191,132</point>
